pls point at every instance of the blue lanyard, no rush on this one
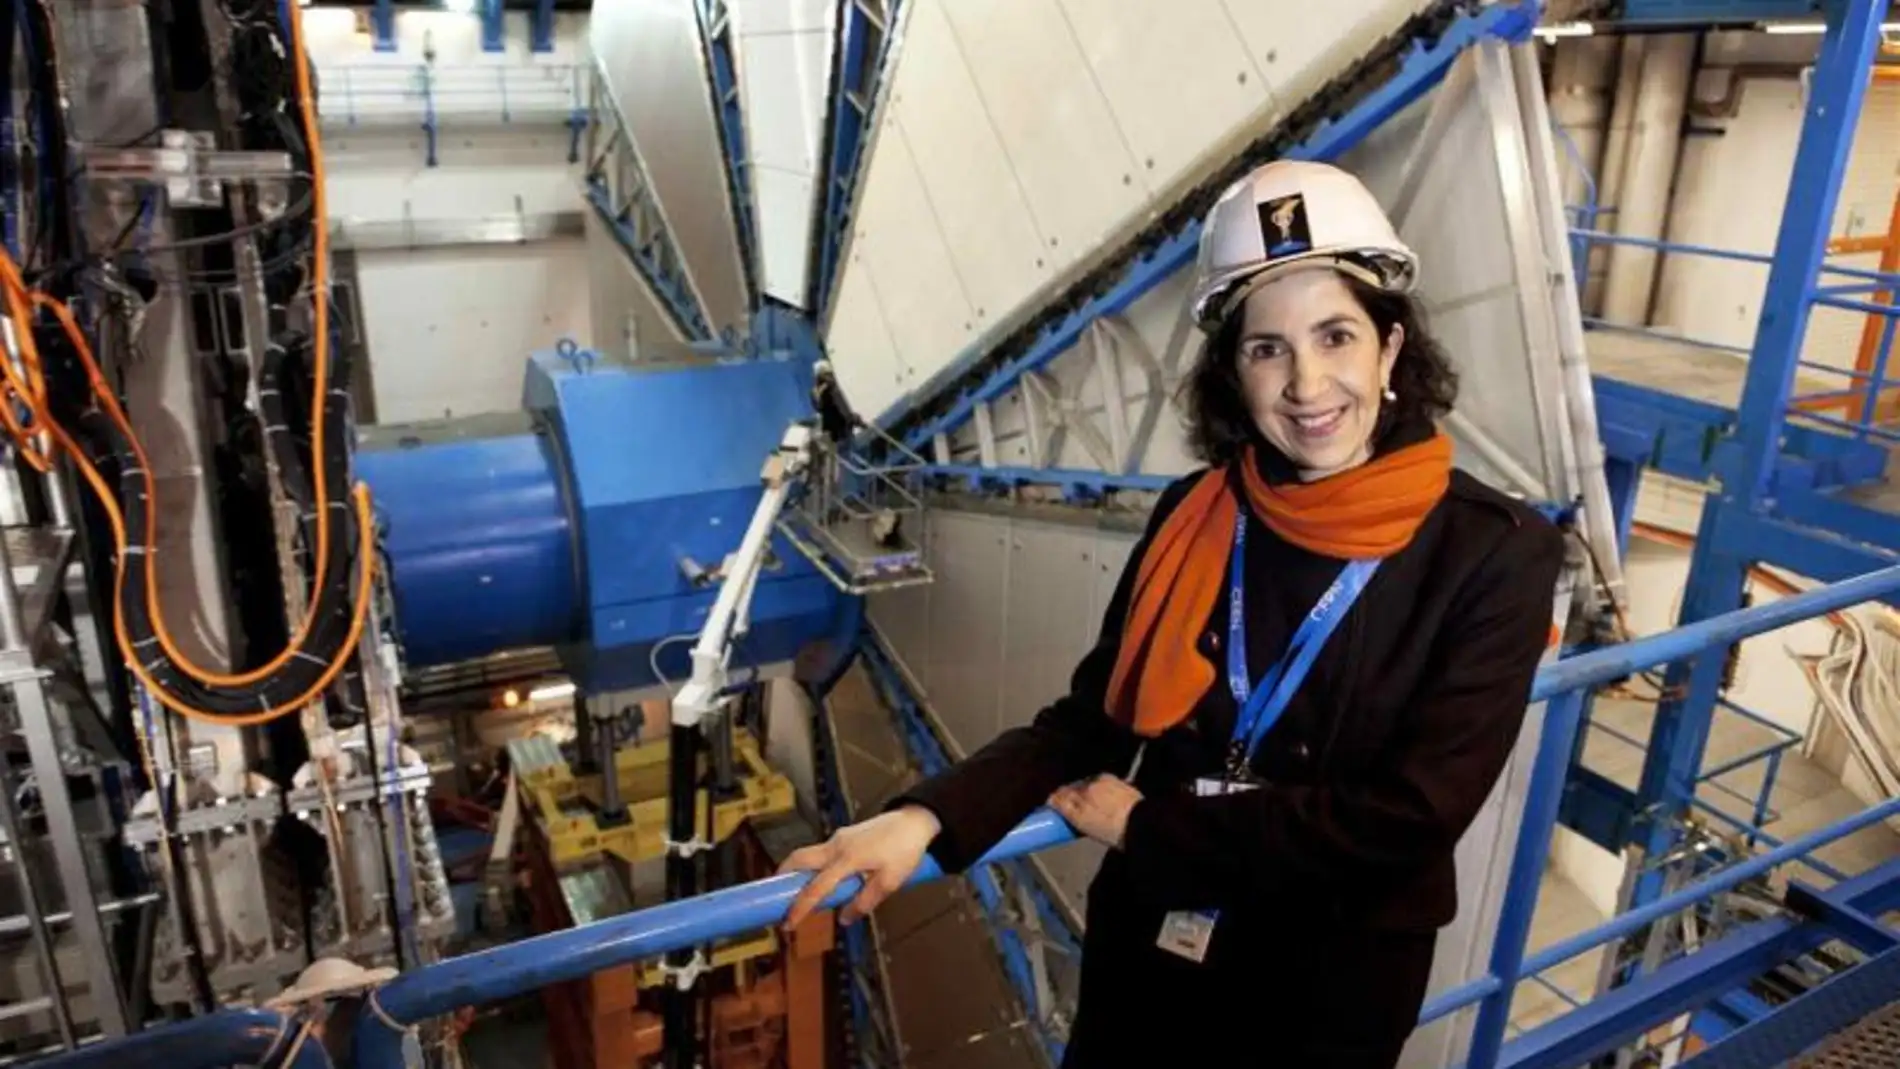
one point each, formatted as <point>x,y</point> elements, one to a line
<point>1258,708</point>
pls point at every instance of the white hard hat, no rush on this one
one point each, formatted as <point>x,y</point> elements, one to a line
<point>1287,213</point>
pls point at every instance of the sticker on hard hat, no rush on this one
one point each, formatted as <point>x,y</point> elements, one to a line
<point>1283,229</point>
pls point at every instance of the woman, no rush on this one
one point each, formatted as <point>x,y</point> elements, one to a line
<point>1280,824</point>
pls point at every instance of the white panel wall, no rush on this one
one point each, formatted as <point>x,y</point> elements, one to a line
<point>1730,191</point>
<point>1015,604</point>
<point>449,330</point>
<point>449,327</point>
<point>1457,222</point>
<point>784,57</point>
<point>1021,138</point>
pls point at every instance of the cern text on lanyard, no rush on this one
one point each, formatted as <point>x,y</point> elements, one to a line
<point>1259,706</point>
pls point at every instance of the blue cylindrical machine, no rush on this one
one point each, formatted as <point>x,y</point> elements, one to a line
<point>590,521</point>
<point>478,536</point>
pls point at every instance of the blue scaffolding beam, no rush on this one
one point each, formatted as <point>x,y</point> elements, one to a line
<point>722,71</point>
<point>1739,525</point>
<point>864,52</point>
<point>618,189</point>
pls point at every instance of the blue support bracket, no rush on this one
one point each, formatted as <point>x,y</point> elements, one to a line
<point>541,26</point>
<point>862,48</point>
<point>1625,479</point>
<point>1692,439</point>
<point>656,262</point>
<point>1814,552</point>
<point>494,25</point>
<point>715,32</point>
<point>382,25</point>
<point>1598,808</point>
<point>1854,926</point>
<point>1421,66</point>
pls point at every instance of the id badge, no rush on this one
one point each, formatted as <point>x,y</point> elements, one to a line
<point>1208,787</point>
<point>1187,934</point>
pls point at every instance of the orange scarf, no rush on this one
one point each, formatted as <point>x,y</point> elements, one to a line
<point>1369,511</point>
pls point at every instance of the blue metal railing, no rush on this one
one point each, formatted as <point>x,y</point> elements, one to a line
<point>1770,755</point>
<point>393,1010</point>
<point>1868,385</point>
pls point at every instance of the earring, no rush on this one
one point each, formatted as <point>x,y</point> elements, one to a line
<point>1390,394</point>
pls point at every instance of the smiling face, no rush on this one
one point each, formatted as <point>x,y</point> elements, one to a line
<point>1313,367</point>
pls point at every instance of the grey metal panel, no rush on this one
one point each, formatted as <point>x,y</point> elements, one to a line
<point>1051,614</point>
<point>967,625</point>
<point>903,615</point>
<point>1455,218</point>
<point>654,63</point>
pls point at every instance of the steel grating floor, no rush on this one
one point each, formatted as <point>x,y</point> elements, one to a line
<point>1871,1043</point>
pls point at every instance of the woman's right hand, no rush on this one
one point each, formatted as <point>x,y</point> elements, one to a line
<point>885,850</point>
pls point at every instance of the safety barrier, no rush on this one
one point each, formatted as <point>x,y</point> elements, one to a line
<point>1872,388</point>
<point>384,1030</point>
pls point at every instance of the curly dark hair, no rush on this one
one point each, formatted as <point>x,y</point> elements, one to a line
<point>1219,426</point>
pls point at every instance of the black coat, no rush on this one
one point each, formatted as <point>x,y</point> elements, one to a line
<point>1333,878</point>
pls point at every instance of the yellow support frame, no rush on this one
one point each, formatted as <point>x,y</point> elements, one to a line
<point>566,804</point>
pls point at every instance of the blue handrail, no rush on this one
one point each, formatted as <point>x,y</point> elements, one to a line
<point>517,968</point>
<point>229,1037</point>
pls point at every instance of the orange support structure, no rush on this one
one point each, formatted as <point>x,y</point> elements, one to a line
<point>766,1012</point>
<point>1888,246</point>
<point>805,991</point>
<point>1876,326</point>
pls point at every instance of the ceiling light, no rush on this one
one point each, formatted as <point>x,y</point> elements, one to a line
<point>1565,29</point>
<point>552,692</point>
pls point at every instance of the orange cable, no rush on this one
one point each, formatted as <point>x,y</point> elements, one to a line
<point>35,435</point>
<point>319,396</point>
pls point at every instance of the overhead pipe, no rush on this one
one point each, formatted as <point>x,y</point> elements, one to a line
<point>1649,171</point>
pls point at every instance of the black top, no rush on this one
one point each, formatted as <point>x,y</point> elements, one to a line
<point>1379,764</point>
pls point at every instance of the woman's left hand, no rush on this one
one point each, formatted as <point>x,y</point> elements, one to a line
<point>1098,808</point>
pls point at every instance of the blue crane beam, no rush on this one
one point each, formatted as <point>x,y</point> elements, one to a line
<point>722,71</point>
<point>633,216</point>
<point>864,51</point>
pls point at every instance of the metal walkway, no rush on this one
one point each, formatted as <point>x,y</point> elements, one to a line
<point>1872,1043</point>
<point>952,1005</point>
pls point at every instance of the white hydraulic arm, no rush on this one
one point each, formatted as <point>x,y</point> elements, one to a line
<point>705,689</point>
